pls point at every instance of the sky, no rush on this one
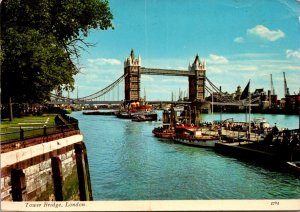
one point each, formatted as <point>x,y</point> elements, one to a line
<point>240,40</point>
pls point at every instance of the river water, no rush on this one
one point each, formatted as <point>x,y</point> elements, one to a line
<point>128,163</point>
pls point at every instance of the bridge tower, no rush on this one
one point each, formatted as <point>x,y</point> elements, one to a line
<point>132,71</point>
<point>197,81</point>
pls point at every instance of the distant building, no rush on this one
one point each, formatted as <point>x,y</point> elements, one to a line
<point>292,103</point>
<point>238,93</point>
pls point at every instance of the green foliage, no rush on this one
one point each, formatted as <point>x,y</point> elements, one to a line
<point>40,39</point>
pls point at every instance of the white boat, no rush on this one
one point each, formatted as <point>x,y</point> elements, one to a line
<point>261,123</point>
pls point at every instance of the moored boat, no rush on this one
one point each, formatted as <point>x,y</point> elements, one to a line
<point>137,112</point>
<point>161,132</point>
<point>145,116</point>
<point>99,113</point>
<point>294,165</point>
<point>194,137</point>
<point>124,115</point>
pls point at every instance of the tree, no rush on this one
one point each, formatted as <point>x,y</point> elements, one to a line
<point>40,41</point>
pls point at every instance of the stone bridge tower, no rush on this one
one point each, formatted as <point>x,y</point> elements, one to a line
<point>132,70</point>
<point>197,81</point>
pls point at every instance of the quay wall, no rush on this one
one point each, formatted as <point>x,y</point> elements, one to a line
<point>49,169</point>
<point>243,152</point>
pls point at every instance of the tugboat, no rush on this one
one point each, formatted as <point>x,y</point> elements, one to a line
<point>171,123</point>
<point>193,136</point>
<point>162,132</point>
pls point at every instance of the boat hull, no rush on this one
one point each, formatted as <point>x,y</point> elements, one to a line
<point>144,117</point>
<point>148,116</point>
<point>294,166</point>
<point>201,142</point>
<point>107,113</point>
<point>124,115</point>
<point>163,134</point>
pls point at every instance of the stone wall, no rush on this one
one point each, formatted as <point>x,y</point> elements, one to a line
<point>46,171</point>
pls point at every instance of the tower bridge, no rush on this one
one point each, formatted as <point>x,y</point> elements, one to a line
<point>198,83</point>
<point>196,74</point>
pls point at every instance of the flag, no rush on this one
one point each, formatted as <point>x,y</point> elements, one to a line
<point>245,92</point>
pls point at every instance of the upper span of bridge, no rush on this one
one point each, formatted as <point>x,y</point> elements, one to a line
<point>166,72</point>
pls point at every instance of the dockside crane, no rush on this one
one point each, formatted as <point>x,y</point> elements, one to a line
<point>272,97</point>
<point>286,89</point>
<point>272,86</point>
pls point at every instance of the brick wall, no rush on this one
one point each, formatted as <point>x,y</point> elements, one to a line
<point>27,173</point>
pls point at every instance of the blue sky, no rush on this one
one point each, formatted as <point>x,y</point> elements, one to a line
<point>238,39</point>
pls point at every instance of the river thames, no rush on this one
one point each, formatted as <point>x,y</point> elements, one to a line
<point>128,163</point>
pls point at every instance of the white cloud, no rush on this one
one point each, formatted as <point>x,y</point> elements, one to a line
<point>255,55</point>
<point>239,40</point>
<point>264,32</point>
<point>104,61</point>
<point>216,59</point>
<point>292,53</point>
<point>293,68</point>
<point>214,69</point>
<point>245,68</point>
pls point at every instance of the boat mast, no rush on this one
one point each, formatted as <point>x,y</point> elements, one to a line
<point>249,93</point>
<point>212,108</point>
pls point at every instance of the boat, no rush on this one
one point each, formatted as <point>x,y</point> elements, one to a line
<point>261,123</point>
<point>138,112</point>
<point>145,116</point>
<point>161,132</point>
<point>99,113</point>
<point>294,165</point>
<point>124,115</point>
<point>193,137</point>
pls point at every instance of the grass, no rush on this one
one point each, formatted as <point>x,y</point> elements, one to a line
<point>31,125</point>
<point>27,121</point>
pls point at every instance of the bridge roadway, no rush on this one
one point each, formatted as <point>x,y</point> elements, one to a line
<point>166,72</point>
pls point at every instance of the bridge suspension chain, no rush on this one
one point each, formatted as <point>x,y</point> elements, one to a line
<point>104,90</point>
<point>221,96</point>
<point>95,95</point>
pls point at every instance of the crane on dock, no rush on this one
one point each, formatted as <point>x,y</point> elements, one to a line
<point>272,86</point>
<point>286,89</point>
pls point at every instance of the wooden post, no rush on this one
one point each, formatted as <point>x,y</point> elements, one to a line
<point>21,134</point>
<point>11,116</point>
<point>18,185</point>
<point>57,178</point>
<point>85,191</point>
